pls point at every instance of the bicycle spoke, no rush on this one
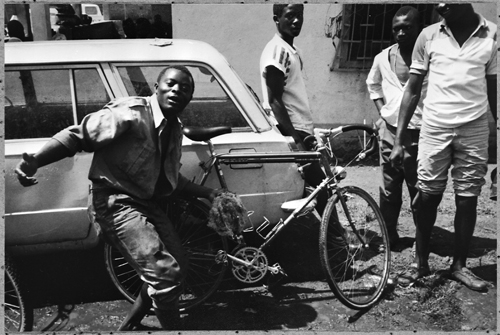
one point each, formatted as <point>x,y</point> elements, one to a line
<point>348,231</point>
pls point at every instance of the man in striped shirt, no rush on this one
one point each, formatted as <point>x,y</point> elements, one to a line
<point>283,87</point>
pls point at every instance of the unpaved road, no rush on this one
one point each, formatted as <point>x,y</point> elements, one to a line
<point>89,303</point>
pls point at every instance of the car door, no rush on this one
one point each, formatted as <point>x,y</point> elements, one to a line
<point>39,102</point>
<point>262,187</point>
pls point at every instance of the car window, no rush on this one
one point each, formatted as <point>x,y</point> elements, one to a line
<point>91,94</point>
<point>39,103</point>
<point>211,106</point>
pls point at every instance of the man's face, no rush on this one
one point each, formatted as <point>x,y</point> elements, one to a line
<point>405,30</point>
<point>290,21</point>
<point>174,91</point>
<point>452,12</point>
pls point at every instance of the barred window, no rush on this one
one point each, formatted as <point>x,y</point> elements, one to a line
<point>366,29</point>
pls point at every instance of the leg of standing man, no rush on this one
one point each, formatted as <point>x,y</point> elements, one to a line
<point>470,168</point>
<point>391,190</point>
<point>465,222</point>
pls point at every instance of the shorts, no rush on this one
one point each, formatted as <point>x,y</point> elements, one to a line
<point>465,148</point>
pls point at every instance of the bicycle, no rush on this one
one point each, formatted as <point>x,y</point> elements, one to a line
<point>353,241</point>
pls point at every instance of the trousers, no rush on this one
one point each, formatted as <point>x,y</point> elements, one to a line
<point>391,189</point>
<point>146,238</point>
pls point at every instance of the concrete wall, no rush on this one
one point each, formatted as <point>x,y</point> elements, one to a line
<point>240,32</point>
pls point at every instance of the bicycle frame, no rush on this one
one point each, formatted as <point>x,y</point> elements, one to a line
<point>321,154</point>
<point>250,158</point>
<point>299,157</point>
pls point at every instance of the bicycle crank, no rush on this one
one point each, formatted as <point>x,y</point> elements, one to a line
<point>249,264</point>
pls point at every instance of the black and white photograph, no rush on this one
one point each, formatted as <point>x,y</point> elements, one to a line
<point>253,167</point>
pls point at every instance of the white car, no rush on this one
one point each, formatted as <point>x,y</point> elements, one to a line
<point>51,85</point>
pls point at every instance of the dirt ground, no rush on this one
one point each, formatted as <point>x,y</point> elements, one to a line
<point>304,303</point>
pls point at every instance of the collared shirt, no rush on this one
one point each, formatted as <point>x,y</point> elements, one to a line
<point>457,91</point>
<point>124,137</point>
<point>286,58</point>
<point>383,83</point>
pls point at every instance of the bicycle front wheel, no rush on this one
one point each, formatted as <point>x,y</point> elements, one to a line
<point>354,248</point>
<point>190,218</point>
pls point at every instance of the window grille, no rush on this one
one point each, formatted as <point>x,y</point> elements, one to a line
<point>366,29</point>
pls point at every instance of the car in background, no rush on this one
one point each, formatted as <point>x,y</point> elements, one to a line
<point>51,85</point>
<point>93,11</point>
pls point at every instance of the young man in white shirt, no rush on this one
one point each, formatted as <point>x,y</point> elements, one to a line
<point>283,88</point>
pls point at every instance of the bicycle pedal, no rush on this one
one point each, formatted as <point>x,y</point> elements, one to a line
<point>221,257</point>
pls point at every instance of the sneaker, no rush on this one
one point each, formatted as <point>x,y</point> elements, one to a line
<point>466,277</point>
<point>411,275</point>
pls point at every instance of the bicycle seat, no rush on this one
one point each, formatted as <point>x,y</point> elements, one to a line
<point>205,134</point>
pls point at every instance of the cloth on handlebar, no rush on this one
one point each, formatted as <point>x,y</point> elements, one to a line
<point>228,216</point>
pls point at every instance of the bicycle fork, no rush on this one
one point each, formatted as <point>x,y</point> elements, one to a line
<point>342,198</point>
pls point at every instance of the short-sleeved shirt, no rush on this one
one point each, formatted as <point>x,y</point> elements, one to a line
<point>457,92</point>
<point>286,58</point>
<point>125,139</point>
<point>383,82</point>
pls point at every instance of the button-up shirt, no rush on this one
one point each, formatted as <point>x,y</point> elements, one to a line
<point>457,92</point>
<point>124,137</point>
<point>383,83</point>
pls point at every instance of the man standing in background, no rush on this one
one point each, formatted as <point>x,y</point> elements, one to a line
<point>459,55</point>
<point>283,86</point>
<point>386,82</point>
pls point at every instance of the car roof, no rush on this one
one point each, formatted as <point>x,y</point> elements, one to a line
<point>119,50</point>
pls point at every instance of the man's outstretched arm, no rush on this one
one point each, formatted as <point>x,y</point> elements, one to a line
<point>51,152</point>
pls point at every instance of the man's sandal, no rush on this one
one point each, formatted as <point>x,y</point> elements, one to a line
<point>411,275</point>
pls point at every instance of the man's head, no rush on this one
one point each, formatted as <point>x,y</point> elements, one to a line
<point>288,19</point>
<point>174,89</point>
<point>406,26</point>
<point>454,12</point>
<point>15,29</point>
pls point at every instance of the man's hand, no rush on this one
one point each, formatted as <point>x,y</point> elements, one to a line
<point>215,192</point>
<point>301,146</point>
<point>25,170</point>
<point>397,155</point>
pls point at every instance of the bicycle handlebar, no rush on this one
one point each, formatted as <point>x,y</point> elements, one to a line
<point>372,143</point>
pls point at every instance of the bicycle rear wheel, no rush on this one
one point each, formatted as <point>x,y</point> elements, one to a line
<point>354,248</point>
<point>190,218</point>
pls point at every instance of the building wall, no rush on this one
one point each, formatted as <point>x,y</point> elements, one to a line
<point>240,32</point>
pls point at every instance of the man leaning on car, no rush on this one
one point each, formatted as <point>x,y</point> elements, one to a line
<point>136,143</point>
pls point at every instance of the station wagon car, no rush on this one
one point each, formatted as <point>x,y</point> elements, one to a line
<point>52,85</point>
